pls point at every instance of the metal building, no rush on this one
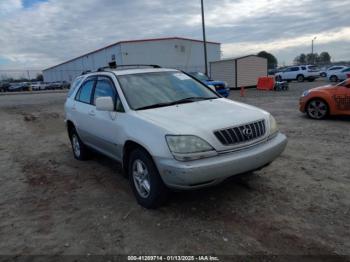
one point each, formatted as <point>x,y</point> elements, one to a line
<point>173,52</point>
<point>239,72</point>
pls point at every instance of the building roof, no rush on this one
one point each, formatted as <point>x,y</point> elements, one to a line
<point>236,58</point>
<point>133,41</point>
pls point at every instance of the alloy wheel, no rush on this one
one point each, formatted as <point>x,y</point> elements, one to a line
<point>76,145</point>
<point>317,109</point>
<point>141,178</point>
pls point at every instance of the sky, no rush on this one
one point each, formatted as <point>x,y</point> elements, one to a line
<point>36,34</point>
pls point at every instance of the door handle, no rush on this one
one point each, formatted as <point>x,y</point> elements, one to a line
<point>92,113</point>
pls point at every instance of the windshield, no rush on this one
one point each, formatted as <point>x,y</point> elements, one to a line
<point>162,88</point>
<point>344,83</point>
<point>200,76</point>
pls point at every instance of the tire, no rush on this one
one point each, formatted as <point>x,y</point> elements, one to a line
<point>145,181</point>
<point>300,78</point>
<point>333,78</point>
<point>80,151</point>
<point>317,109</point>
<point>311,79</point>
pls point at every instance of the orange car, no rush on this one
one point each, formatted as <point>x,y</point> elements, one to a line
<point>326,100</point>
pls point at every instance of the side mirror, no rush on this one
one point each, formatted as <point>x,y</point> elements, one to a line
<point>105,103</point>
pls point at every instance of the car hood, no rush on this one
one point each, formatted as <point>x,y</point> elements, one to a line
<point>325,87</point>
<point>202,117</point>
<point>214,82</point>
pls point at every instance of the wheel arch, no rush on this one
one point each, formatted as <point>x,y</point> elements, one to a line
<point>128,147</point>
<point>70,127</point>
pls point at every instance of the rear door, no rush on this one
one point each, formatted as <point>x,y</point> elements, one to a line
<point>82,110</point>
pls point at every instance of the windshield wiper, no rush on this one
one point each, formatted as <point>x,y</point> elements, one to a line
<point>155,106</point>
<point>181,101</point>
<point>192,99</point>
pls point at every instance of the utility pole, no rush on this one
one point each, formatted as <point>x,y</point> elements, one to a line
<point>312,49</point>
<point>204,41</point>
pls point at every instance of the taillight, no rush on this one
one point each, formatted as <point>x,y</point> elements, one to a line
<point>348,75</point>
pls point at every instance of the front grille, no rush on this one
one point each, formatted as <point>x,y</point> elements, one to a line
<point>241,134</point>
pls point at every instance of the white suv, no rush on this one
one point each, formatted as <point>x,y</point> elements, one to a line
<point>168,130</point>
<point>299,73</point>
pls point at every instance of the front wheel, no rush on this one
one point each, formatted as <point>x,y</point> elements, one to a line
<point>317,109</point>
<point>333,78</point>
<point>145,181</point>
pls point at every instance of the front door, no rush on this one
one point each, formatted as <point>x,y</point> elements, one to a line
<point>107,135</point>
<point>341,98</point>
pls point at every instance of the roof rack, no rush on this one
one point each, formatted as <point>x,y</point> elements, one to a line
<point>114,66</point>
<point>86,72</point>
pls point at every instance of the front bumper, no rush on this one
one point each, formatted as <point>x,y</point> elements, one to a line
<point>210,171</point>
<point>302,104</point>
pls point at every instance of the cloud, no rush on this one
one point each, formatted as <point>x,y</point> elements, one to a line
<point>56,30</point>
<point>9,7</point>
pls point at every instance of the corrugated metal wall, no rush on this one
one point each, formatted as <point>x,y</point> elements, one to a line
<point>174,53</point>
<point>249,69</point>
<point>224,71</point>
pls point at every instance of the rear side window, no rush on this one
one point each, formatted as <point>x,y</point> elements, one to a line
<point>74,85</point>
<point>84,94</point>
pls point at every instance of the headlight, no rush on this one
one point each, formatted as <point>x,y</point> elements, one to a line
<point>305,93</point>
<point>273,126</point>
<point>186,147</point>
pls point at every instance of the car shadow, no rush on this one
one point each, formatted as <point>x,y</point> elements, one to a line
<point>232,188</point>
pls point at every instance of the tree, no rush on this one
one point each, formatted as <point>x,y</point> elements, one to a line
<point>300,59</point>
<point>39,77</point>
<point>324,58</point>
<point>271,59</point>
<point>312,58</point>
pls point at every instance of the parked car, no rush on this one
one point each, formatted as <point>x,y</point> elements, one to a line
<point>219,86</point>
<point>36,86</point>
<point>17,87</point>
<point>322,101</point>
<point>331,70</point>
<point>4,86</point>
<point>299,73</point>
<point>168,130</point>
<point>339,75</point>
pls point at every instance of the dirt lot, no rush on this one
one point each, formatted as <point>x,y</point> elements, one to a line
<point>53,204</point>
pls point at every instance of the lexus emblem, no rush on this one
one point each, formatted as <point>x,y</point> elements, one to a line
<point>247,131</point>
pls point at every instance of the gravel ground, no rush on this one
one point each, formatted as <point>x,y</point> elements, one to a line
<point>53,204</point>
